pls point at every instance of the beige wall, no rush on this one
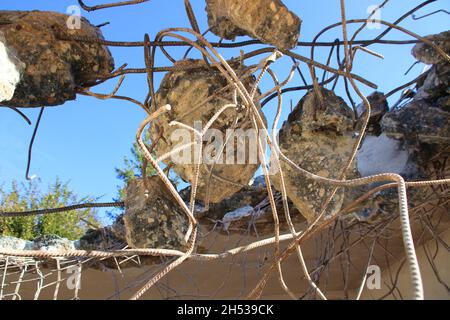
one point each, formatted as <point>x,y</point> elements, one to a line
<point>432,288</point>
<point>234,278</point>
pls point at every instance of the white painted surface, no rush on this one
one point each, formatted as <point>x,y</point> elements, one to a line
<point>381,155</point>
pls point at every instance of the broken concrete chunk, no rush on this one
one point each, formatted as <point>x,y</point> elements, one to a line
<point>10,70</point>
<point>411,137</point>
<point>435,88</point>
<point>426,54</point>
<point>444,103</point>
<point>153,219</point>
<point>267,20</point>
<point>12,243</point>
<point>50,69</point>
<point>118,228</point>
<point>378,108</point>
<point>100,239</point>
<point>236,215</point>
<point>418,122</point>
<point>195,96</point>
<point>308,115</point>
<point>435,85</point>
<point>320,141</point>
<point>52,243</point>
<point>383,154</point>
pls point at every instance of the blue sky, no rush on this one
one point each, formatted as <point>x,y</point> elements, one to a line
<point>84,140</point>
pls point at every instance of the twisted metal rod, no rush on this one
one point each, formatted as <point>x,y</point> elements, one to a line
<point>298,236</point>
<point>61,209</point>
<point>191,233</point>
<point>30,146</point>
<point>109,5</point>
<point>409,246</point>
<point>229,73</point>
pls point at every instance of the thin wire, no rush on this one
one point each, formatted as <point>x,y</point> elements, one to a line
<point>30,148</point>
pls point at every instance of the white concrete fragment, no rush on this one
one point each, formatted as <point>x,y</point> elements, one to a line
<point>9,75</point>
<point>12,243</point>
<point>236,215</point>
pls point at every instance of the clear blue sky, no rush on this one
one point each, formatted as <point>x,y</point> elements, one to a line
<point>84,140</point>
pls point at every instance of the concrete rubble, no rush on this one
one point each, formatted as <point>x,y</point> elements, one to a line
<point>378,108</point>
<point>320,140</point>
<point>52,243</point>
<point>427,115</point>
<point>185,90</point>
<point>412,140</point>
<point>12,243</point>
<point>267,20</point>
<point>415,137</point>
<point>43,243</point>
<point>426,124</point>
<point>152,218</point>
<point>427,54</point>
<point>435,87</point>
<point>236,215</point>
<point>49,69</point>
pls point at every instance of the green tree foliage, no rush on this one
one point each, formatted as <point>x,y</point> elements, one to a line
<point>133,167</point>
<point>25,197</point>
